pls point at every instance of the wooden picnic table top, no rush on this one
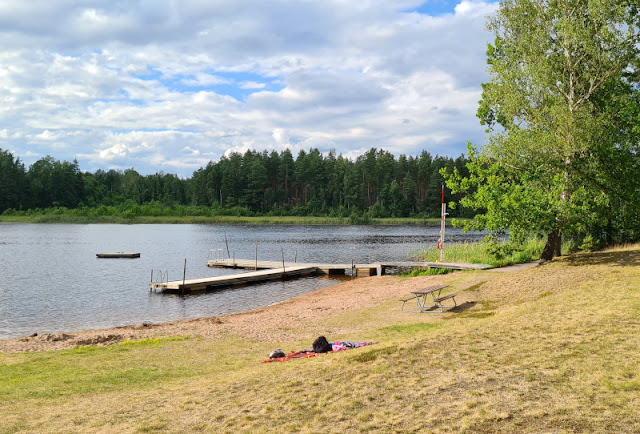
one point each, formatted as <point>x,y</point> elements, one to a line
<point>429,289</point>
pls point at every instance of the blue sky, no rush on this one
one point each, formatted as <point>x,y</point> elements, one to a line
<point>169,86</point>
<point>435,7</point>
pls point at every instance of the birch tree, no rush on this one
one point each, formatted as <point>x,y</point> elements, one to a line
<point>558,72</point>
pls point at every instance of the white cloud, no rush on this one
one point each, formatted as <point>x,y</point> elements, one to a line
<point>116,151</point>
<point>252,85</point>
<point>157,86</point>
<point>280,136</point>
<point>46,135</point>
<point>188,151</point>
<point>474,8</point>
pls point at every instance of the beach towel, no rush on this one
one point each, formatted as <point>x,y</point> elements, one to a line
<point>336,346</point>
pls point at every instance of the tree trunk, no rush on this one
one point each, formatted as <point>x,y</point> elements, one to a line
<point>553,247</point>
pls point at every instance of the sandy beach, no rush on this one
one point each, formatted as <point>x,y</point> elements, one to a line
<point>270,324</point>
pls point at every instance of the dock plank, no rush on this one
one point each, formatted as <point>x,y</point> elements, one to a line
<point>451,265</point>
<point>205,283</point>
<point>251,264</point>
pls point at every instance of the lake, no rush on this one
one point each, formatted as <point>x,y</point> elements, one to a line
<point>52,282</point>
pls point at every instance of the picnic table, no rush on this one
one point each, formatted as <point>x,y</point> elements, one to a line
<point>429,298</point>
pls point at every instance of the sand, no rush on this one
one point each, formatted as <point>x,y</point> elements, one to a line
<point>274,323</point>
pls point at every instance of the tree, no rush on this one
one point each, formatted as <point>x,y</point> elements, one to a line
<point>552,66</point>
<point>232,179</point>
<point>256,184</point>
<point>408,194</point>
<point>12,182</point>
<point>287,173</point>
<point>424,174</point>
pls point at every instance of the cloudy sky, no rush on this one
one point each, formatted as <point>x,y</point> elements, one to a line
<point>168,85</point>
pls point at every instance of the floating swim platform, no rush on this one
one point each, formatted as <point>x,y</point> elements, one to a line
<point>118,255</point>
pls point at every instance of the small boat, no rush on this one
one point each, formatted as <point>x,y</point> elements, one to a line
<point>118,255</point>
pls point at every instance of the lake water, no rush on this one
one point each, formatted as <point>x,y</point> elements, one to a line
<point>52,282</point>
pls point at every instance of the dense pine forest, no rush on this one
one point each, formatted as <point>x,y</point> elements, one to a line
<point>376,184</point>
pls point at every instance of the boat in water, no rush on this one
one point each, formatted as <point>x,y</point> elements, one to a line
<point>118,255</point>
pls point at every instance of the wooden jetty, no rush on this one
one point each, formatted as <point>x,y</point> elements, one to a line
<point>118,255</point>
<point>262,265</point>
<point>449,265</point>
<point>375,269</point>
<point>207,283</point>
<point>274,270</point>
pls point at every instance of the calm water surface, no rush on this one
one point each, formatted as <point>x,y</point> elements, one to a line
<point>52,282</point>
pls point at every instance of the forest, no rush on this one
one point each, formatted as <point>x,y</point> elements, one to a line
<point>375,184</point>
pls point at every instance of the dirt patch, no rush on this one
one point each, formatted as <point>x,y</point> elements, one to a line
<point>108,339</point>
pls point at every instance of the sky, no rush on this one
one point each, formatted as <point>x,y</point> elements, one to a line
<point>169,85</point>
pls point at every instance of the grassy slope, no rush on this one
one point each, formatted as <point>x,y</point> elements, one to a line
<point>553,348</point>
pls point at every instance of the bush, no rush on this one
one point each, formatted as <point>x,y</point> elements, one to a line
<point>359,218</point>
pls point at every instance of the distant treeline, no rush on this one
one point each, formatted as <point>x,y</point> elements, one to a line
<point>376,184</point>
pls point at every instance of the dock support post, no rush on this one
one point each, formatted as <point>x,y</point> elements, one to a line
<point>227,243</point>
<point>353,247</point>
<point>184,274</point>
<point>256,256</point>
<point>284,270</point>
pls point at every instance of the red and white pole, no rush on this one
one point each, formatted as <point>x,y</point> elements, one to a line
<point>443,213</point>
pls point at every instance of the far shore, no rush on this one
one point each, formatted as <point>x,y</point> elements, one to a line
<point>227,220</point>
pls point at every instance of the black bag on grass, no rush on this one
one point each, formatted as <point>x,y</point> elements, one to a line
<point>321,345</point>
<point>276,354</point>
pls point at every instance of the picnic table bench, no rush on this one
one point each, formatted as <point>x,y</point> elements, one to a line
<point>421,297</point>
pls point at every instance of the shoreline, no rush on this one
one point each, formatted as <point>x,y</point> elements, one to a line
<point>349,295</point>
<point>273,323</point>
<point>218,220</point>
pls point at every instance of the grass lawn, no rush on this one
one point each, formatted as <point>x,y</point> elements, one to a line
<point>550,349</point>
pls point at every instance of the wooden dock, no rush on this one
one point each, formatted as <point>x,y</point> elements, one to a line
<point>375,269</point>
<point>207,283</point>
<point>263,265</point>
<point>274,270</point>
<point>450,265</point>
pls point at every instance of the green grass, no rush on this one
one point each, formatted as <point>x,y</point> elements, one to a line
<point>141,364</point>
<point>409,329</point>
<point>152,341</point>
<point>477,253</point>
<point>370,355</point>
<point>429,272</point>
